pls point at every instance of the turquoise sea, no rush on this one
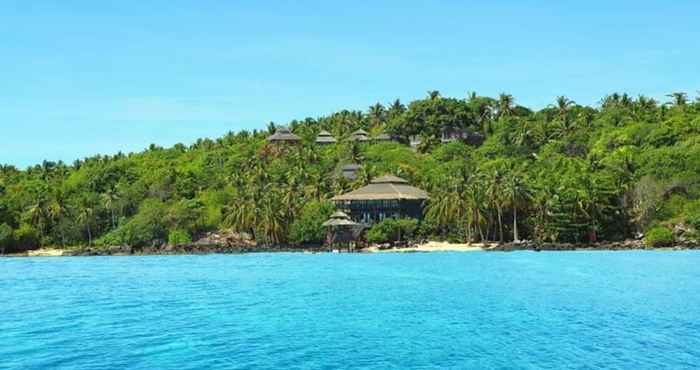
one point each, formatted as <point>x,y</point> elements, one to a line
<point>524,310</point>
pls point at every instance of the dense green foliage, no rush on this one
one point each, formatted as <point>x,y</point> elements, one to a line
<point>179,237</point>
<point>659,237</point>
<point>390,230</point>
<point>308,225</point>
<point>563,173</point>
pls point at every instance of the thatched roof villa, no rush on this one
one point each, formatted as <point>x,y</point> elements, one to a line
<point>283,136</point>
<point>385,197</point>
<point>349,171</point>
<point>325,138</point>
<point>359,135</point>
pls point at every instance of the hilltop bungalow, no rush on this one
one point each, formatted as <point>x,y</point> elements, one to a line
<point>385,197</point>
<point>359,135</point>
<point>283,136</point>
<point>349,171</point>
<point>325,138</point>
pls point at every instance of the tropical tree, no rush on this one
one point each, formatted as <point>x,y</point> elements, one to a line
<point>109,201</point>
<point>86,218</point>
<point>517,196</point>
<point>679,98</point>
<point>506,103</point>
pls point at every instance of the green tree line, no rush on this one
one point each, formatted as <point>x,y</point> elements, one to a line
<point>566,172</point>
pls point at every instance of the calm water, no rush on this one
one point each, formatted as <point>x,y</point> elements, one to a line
<point>637,310</point>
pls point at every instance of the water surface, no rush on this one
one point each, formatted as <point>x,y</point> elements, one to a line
<point>578,310</point>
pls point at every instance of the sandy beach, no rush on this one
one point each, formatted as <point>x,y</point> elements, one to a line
<point>432,246</point>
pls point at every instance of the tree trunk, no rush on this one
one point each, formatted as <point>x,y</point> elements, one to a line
<point>89,236</point>
<point>500,224</point>
<point>515,225</point>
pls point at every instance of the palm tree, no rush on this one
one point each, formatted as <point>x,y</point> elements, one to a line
<point>433,94</point>
<point>243,213</point>
<point>86,218</point>
<point>645,103</point>
<point>517,194</point>
<point>494,193</point>
<point>679,98</point>
<point>376,114</point>
<point>109,199</point>
<point>396,109</point>
<point>39,215</point>
<point>272,218</point>
<point>476,199</point>
<point>449,207</point>
<point>505,105</point>
<point>563,104</point>
<point>57,211</point>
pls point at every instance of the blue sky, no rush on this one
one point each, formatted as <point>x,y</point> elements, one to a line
<point>81,77</point>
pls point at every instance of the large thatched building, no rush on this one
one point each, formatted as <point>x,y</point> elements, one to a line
<point>385,197</point>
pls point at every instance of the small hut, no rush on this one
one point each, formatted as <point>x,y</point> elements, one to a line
<point>283,136</point>
<point>385,197</point>
<point>349,171</point>
<point>325,138</point>
<point>342,230</point>
<point>359,135</point>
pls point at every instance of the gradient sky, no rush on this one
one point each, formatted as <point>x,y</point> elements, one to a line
<point>81,77</point>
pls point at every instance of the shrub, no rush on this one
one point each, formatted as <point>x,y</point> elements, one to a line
<point>694,221</point>
<point>179,237</point>
<point>692,214</point>
<point>659,237</point>
<point>27,238</point>
<point>7,238</point>
<point>145,227</point>
<point>391,230</point>
<point>308,227</point>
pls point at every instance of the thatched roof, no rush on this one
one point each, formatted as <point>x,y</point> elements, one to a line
<point>340,219</point>
<point>283,134</point>
<point>359,135</point>
<point>385,188</point>
<point>325,137</point>
<point>349,171</point>
<point>351,167</point>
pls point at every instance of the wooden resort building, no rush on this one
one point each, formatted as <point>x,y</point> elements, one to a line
<point>283,136</point>
<point>325,138</point>
<point>385,197</point>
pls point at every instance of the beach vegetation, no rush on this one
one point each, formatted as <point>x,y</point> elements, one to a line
<point>392,230</point>
<point>659,236</point>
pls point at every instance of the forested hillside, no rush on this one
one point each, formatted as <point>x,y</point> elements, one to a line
<point>563,173</point>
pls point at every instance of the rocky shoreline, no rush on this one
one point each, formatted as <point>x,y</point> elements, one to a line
<point>601,246</point>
